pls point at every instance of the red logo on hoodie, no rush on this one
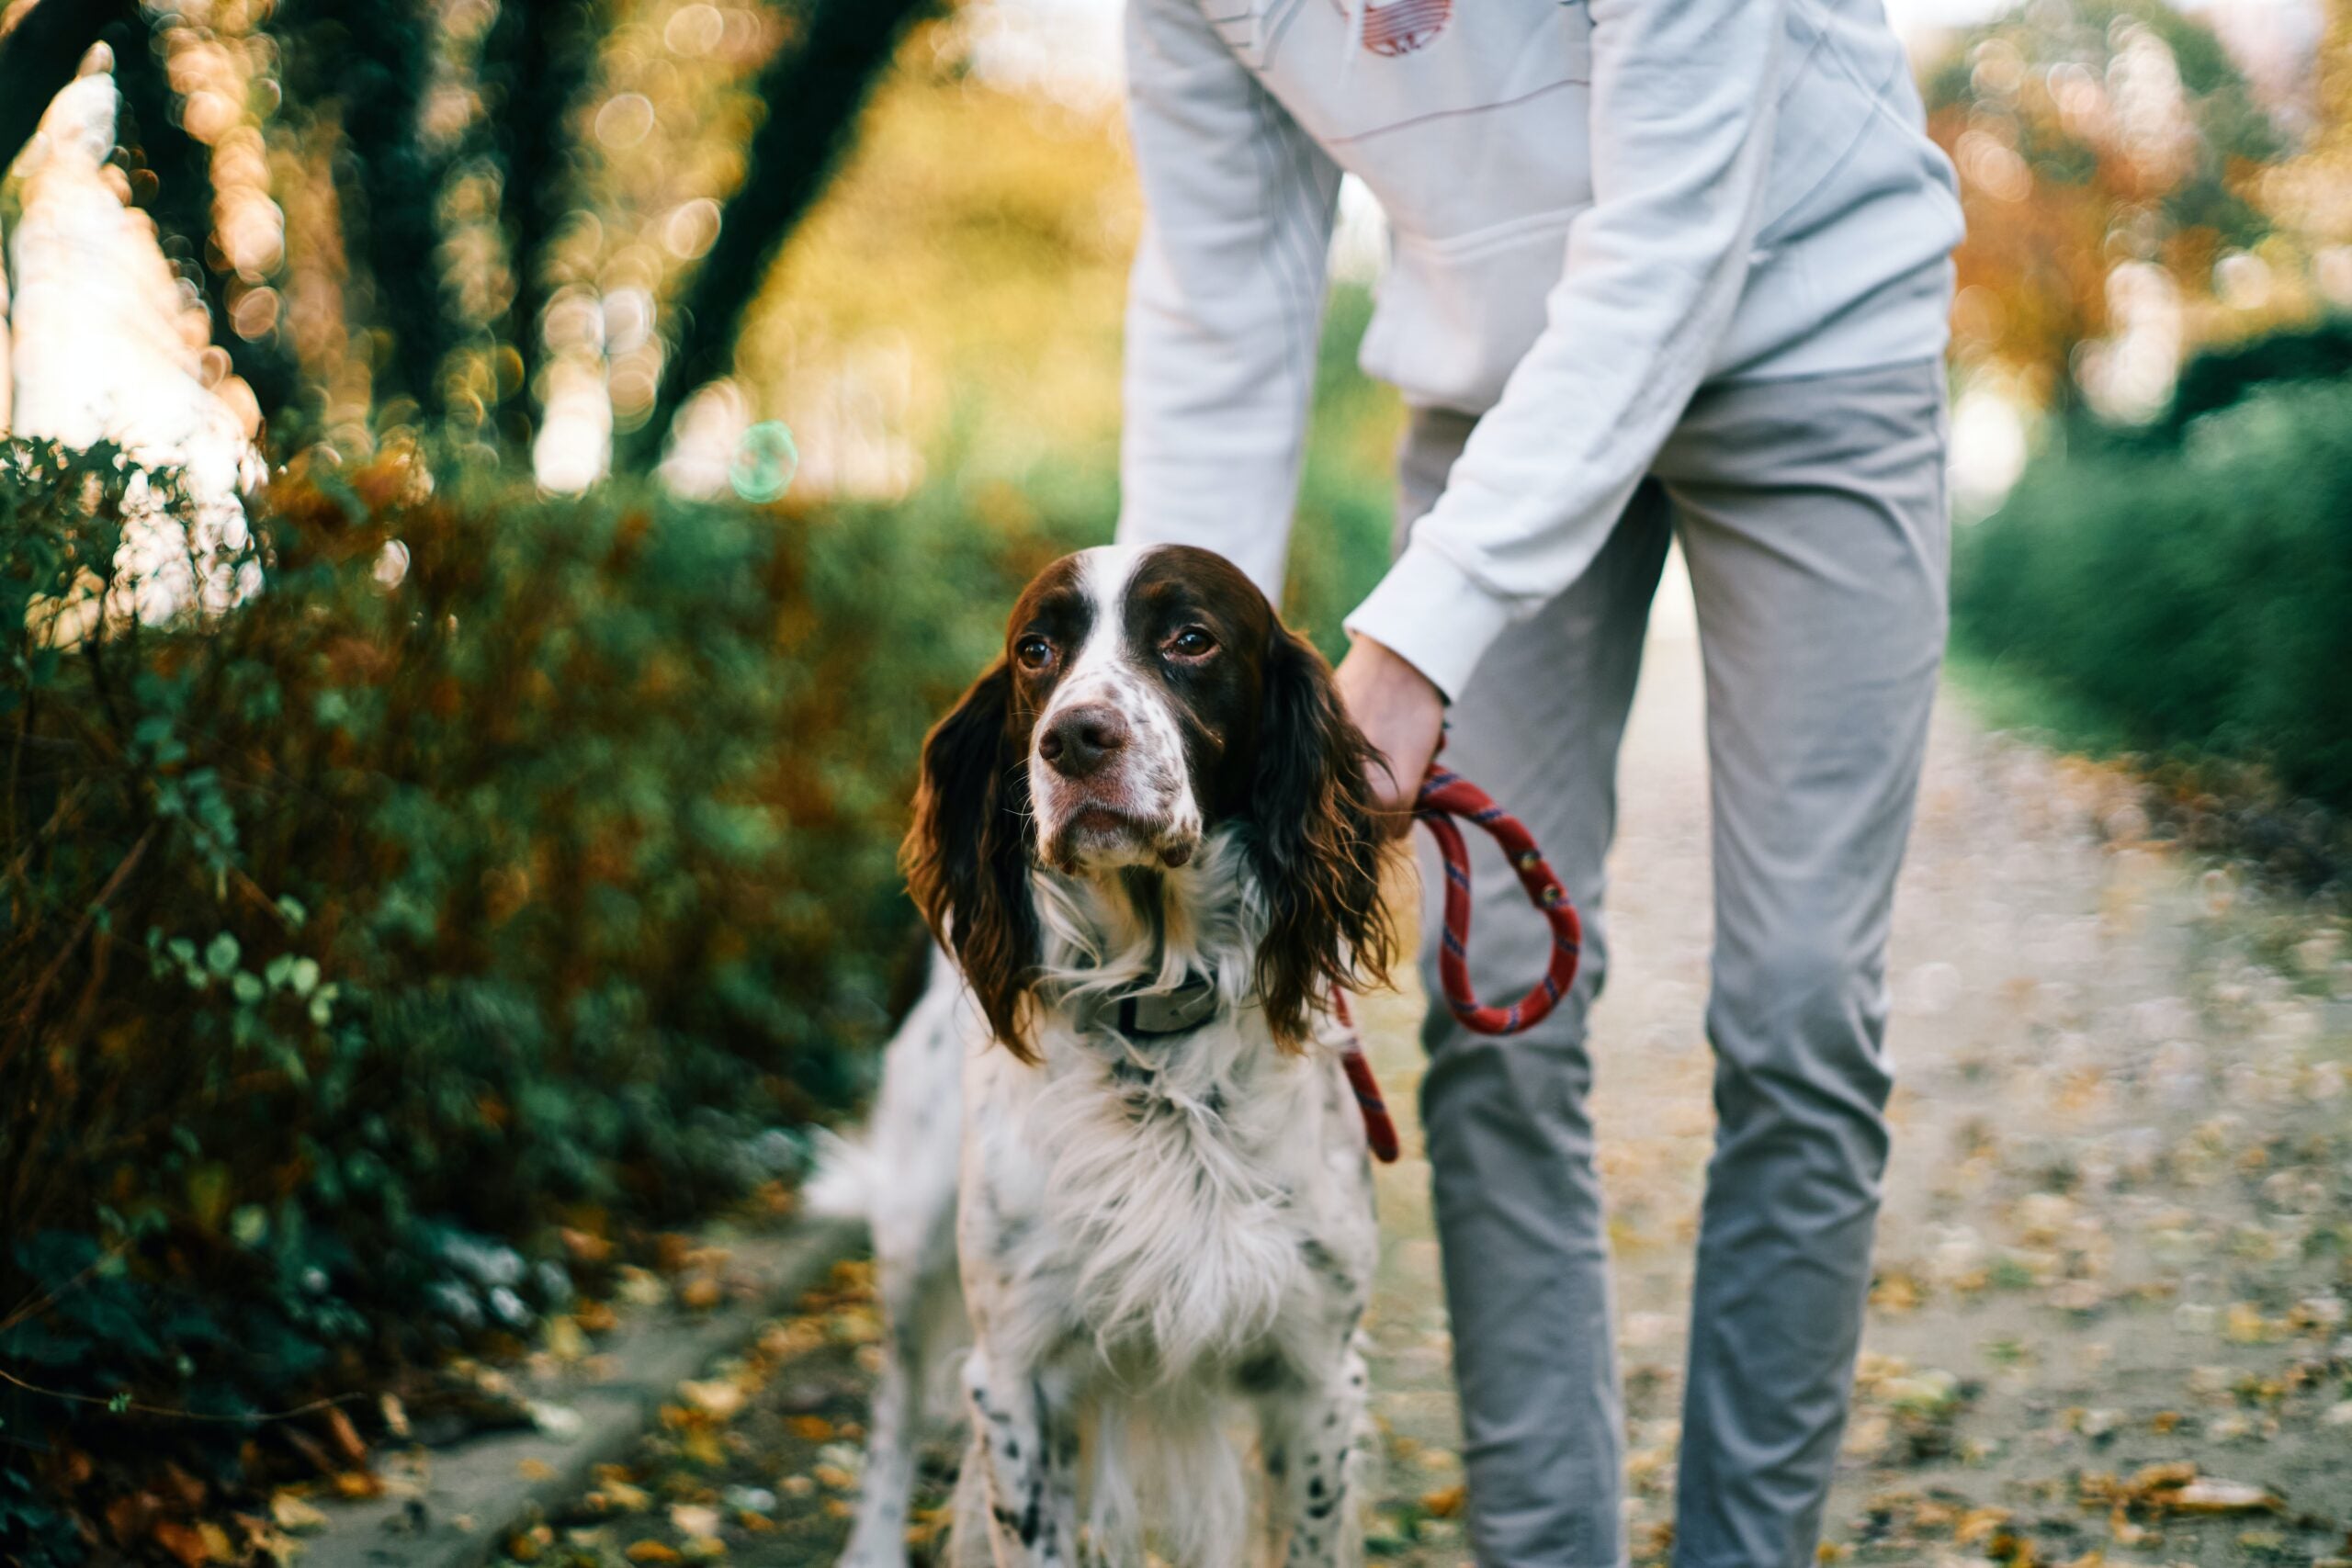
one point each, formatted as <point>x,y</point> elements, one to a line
<point>1402,26</point>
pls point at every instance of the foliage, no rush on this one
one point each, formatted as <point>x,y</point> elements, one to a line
<point>501,860</point>
<point>2088,133</point>
<point>178,191</point>
<point>2216,377</point>
<point>2193,597</point>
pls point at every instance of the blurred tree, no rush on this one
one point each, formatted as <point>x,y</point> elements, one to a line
<point>2312,193</point>
<point>40,55</point>
<point>361,65</point>
<point>811,93</point>
<point>2089,134</point>
<point>179,196</point>
<point>536,65</point>
<point>365,90</point>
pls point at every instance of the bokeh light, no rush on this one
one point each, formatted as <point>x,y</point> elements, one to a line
<point>766,459</point>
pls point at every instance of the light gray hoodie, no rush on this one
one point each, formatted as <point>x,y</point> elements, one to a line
<point>1595,205</point>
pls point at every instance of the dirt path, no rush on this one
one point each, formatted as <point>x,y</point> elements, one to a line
<point>2119,1233</point>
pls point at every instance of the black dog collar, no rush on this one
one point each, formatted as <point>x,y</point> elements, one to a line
<point>1157,1015</point>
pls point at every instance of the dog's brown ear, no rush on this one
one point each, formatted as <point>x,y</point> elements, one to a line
<point>1317,845</point>
<point>967,857</point>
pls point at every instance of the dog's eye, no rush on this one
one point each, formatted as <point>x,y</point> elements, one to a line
<point>1192,642</point>
<point>1033,652</point>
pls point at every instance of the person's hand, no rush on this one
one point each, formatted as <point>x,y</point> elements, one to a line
<point>1401,714</point>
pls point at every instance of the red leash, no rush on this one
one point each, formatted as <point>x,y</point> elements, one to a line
<point>1446,800</point>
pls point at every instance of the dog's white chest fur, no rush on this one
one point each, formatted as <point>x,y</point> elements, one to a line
<point>1187,1204</point>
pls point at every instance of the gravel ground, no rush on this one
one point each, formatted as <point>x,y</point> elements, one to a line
<point>2108,1325</point>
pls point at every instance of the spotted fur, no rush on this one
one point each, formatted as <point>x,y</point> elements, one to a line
<point>1157,1235</point>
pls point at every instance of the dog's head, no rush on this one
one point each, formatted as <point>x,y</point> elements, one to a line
<point>1148,698</point>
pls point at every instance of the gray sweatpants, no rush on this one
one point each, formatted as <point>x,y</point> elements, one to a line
<point>1812,516</point>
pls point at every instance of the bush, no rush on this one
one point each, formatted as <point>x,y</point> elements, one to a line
<point>2214,379</point>
<point>501,860</point>
<point>2196,599</point>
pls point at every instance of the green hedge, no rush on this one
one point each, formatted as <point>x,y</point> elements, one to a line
<point>2215,377</point>
<point>503,860</point>
<point>2197,599</point>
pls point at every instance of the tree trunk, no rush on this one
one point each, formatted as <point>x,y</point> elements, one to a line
<point>368,59</point>
<point>537,60</point>
<point>813,91</point>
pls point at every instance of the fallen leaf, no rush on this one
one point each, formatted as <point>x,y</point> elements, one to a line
<point>294,1515</point>
<point>2126,1533</point>
<point>694,1519</point>
<point>183,1542</point>
<point>534,1470</point>
<point>344,1436</point>
<point>651,1550</point>
<point>567,1341</point>
<point>1443,1503</point>
<point>2161,1477</point>
<point>586,1247</point>
<point>2244,1324</point>
<point>1978,1524</point>
<point>619,1497</point>
<point>185,1489</point>
<point>716,1398</point>
<point>2210,1494</point>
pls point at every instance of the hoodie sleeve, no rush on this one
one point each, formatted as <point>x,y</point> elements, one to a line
<point>1227,297</point>
<point>1683,94</point>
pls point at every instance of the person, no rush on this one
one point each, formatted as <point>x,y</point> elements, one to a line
<point>1660,269</point>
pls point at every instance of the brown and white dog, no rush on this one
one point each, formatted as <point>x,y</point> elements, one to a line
<point>1146,839</point>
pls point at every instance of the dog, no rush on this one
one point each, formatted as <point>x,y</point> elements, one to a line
<point>1113,1139</point>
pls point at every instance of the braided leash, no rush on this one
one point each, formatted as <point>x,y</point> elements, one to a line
<point>1447,799</point>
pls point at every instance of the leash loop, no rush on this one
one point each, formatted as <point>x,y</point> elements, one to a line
<point>1446,800</point>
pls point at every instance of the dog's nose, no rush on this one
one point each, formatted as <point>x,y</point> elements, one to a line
<point>1081,740</point>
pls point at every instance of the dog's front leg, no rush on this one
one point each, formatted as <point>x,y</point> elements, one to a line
<point>1024,1446</point>
<point>1309,1427</point>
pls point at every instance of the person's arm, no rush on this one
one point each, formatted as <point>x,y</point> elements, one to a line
<point>1226,299</point>
<point>1683,94</point>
